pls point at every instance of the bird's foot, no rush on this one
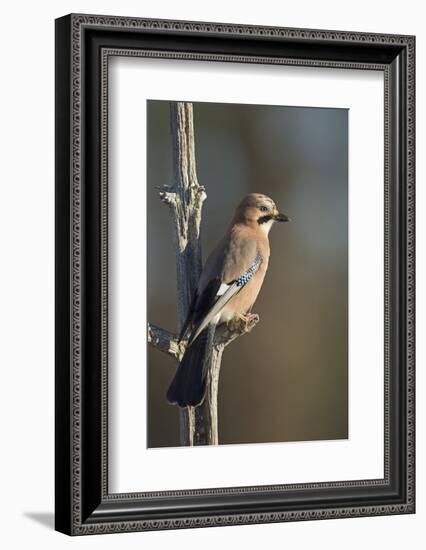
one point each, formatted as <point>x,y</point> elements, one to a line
<point>243,323</point>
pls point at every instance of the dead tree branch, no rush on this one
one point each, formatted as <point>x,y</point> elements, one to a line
<point>199,425</point>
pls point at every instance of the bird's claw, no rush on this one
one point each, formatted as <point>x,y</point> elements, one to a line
<point>251,320</point>
<point>243,323</point>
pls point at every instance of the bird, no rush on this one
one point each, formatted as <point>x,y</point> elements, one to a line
<point>226,291</point>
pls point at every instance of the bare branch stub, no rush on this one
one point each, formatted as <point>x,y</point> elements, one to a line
<point>165,341</point>
<point>168,343</point>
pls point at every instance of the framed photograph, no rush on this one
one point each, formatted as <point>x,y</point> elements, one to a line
<point>234,274</point>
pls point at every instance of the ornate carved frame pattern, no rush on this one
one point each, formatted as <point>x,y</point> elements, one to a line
<point>84,43</point>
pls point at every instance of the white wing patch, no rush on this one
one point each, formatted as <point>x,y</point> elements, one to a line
<point>222,289</point>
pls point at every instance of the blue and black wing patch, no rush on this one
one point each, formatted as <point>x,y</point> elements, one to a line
<point>248,274</point>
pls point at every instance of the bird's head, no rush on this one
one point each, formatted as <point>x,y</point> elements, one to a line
<point>260,211</point>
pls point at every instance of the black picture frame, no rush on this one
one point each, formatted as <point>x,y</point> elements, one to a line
<point>83,504</point>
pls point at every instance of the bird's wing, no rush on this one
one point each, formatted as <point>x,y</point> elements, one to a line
<point>208,285</point>
<point>200,302</point>
<point>217,294</point>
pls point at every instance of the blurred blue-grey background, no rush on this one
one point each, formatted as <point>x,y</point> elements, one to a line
<point>288,379</point>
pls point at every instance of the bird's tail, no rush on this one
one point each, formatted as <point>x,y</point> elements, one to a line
<point>188,387</point>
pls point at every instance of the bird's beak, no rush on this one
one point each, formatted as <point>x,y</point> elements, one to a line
<point>281,218</point>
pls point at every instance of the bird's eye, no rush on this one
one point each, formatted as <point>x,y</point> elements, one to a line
<point>263,208</point>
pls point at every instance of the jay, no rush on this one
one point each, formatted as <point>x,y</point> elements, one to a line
<point>227,289</point>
